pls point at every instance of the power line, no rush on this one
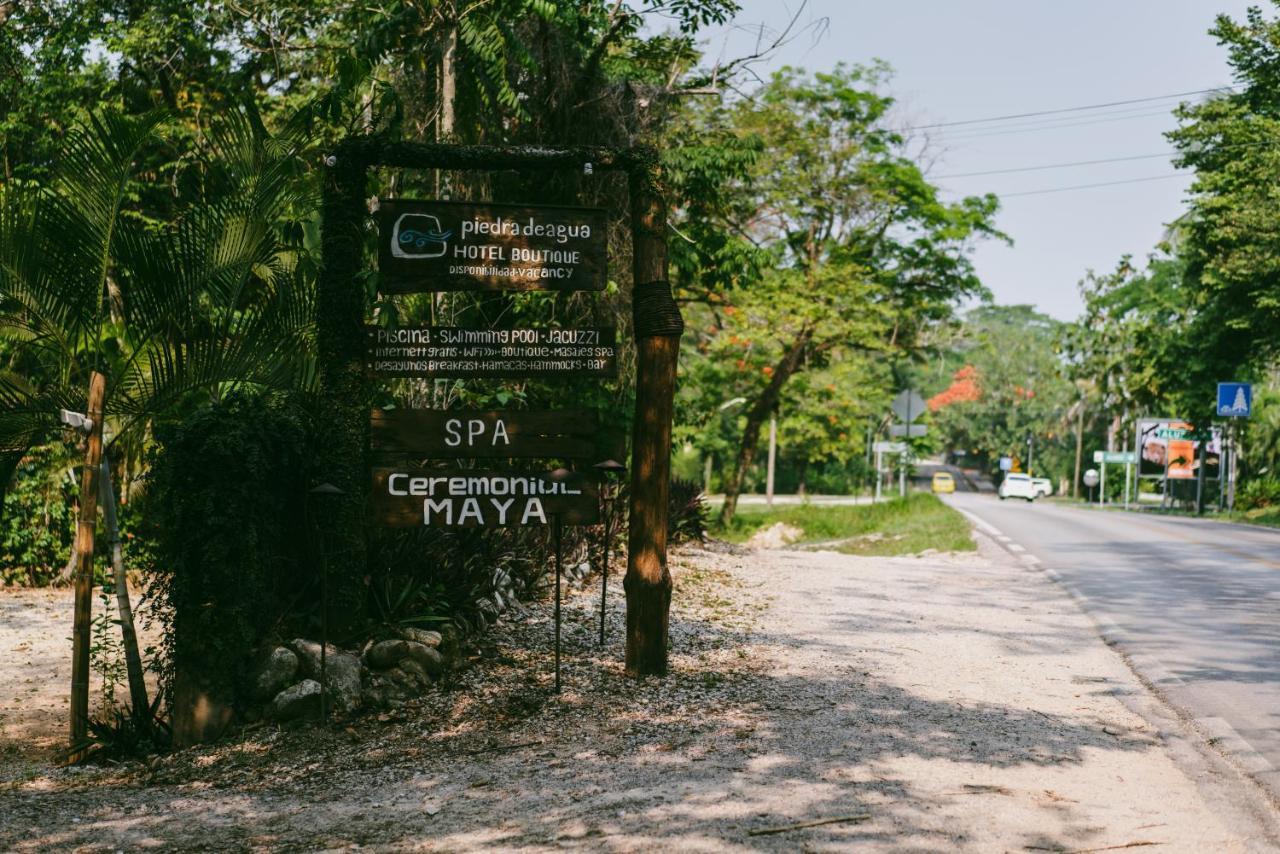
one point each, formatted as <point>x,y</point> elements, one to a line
<point>1012,116</point>
<point>1090,186</point>
<point>1171,153</point>
<point>1053,166</point>
<point>1056,125</point>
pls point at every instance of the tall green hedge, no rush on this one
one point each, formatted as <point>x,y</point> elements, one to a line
<point>228,491</point>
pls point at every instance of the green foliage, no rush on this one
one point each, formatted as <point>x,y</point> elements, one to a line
<point>116,735</point>
<point>38,522</point>
<point>1259,493</point>
<point>106,651</point>
<point>1230,239</point>
<point>838,251</point>
<point>169,314</point>
<point>687,514</point>
<point>234,557</point>
<point>999,381</point>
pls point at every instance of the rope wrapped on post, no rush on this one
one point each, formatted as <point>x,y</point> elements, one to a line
<point>654,312</point>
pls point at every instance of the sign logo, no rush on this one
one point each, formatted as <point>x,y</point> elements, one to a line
<point>426,245</point>
<point>1235,400</point>
<point>418,235</point>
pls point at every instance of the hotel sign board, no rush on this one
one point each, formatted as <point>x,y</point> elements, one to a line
<point>467,498</point>
<point>463,246</point>
<point>457,353</point>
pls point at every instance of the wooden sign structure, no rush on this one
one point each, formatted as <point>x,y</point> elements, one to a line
<point>467,498</point>
<point>459,497</point>
<point>445,434</point>
<point>453,246</point>
<point>453,352</point>
<point>341,310</point>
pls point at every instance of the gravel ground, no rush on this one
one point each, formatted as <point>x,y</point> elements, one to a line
<point>913,704</point>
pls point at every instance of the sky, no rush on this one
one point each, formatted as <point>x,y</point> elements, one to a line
<point>960,61</point>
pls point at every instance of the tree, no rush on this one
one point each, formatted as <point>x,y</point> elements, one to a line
<point>1007,388</point>
<point>148,321</point>
<point>861,252</point>
<point>1230,242</point>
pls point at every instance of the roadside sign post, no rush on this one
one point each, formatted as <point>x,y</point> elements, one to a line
<point>881,448</point>
<point>1235,400</point>
<point>907,405</point>
<point>1091,479</point>
<point>429,246</point>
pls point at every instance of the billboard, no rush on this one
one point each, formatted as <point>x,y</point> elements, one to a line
<point>1168,446</point>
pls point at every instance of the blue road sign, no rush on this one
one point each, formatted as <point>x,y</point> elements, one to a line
<point>1235,400</point>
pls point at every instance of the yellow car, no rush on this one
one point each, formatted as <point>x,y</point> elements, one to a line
<point>943,482</point>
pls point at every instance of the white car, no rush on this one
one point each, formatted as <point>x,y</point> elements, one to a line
<point>1017,486</point>
<point>1043,486</point>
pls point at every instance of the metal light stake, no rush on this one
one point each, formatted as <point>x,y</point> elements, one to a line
<point>607,469</point>
<point>556,523</point>
<point>559,475</point>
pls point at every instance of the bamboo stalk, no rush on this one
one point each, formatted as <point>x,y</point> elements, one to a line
<point>83,580</point>
<point>133,658</point>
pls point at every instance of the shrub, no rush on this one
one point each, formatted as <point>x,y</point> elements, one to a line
<point>686,512</point>
<point>1258,493</point>
<point>228,490</point>
<point>38,522</point>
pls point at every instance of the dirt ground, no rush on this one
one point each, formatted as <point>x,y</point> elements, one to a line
<point>890,704</point>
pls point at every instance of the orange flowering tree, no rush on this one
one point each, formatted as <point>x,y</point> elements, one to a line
<point>855,255</point>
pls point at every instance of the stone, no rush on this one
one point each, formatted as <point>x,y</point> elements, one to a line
<point>425,657</point>
<point>273,672</point>
<point>449,640</point>
<point>297,701</point>
<point>422,636</point>
<point>386,654</point>
<point>343,672</point>
<point>412,675</point>
<point>776,536</point>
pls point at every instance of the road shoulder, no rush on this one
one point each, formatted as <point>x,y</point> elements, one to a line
<point>817,701</point>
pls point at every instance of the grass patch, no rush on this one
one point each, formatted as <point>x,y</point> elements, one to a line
<point>902,526</point>
<point>1269,516</point>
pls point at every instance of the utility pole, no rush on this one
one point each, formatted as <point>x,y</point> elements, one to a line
<point>773,458</point>
<point>1075,483</point>
<point>1201,455</point>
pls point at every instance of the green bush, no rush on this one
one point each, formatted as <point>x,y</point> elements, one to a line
<point>1259,493</point>
<point>227,493</point>
<point>686,512</point>
<point>38,523</point>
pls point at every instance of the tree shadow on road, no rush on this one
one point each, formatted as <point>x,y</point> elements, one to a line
<point>733,741</point>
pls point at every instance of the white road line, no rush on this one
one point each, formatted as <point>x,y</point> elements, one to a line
<point>1223,736</point>
<point>983,524</point>
<point>1014,547</point>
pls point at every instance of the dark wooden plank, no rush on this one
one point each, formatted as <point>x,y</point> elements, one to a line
<point>462,498</point>
<point>451,246</point>
<point>426,433</point>
<point>454,352</point>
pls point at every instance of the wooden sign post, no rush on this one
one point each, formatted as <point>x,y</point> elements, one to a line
<point>447,246</point>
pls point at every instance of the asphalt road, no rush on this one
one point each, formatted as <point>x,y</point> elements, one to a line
<point>1194,604</point>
